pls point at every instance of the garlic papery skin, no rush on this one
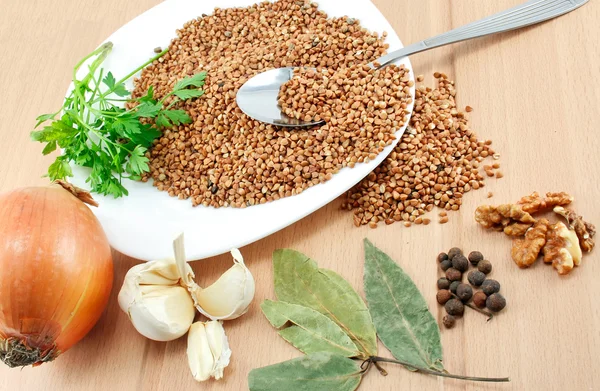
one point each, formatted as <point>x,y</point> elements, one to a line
<point>208,350</point>
<point>230,296</point>
<point>157,305</point>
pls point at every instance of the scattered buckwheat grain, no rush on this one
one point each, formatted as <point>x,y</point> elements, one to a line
<point>433,165</point>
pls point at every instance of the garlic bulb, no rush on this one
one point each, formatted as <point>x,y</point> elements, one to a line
<point>208,350</point>
<point>158,306</point>
<point>160,297</point>
<point>227,298</point>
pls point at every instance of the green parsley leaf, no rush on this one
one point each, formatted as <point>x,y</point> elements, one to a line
<point>49,148</point>
<point>178,116</point>
<point>196,81</point>
<point>149,97</point>
<point>43,118</point>
<point>56,131</point>
<point>60,169</point>
<point>146,136</point>
<point>162,120</point>
<point>147,109</point>
<point>126,125</point>
<point>188,94</point>
<point>109,80</point>
<point>119,89</point>
<point>138,162</point>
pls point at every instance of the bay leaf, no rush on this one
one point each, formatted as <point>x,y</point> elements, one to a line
<point>315,372</point>
<point>308,330</point>
<point>298,280</point>
<point>399,311</point>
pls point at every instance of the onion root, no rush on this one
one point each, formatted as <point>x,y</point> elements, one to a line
<point>15,353</point>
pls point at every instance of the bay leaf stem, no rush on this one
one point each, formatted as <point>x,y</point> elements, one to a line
<point>376,360</point>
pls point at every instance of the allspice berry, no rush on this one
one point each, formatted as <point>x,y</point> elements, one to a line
<point>479,299</point>
<point>442,257</point>
<point>454,307</point>
<point>454,286</point>
<point>460,263</point>
<point>443,283</point>
<point>453,252</point>
<point>449,321</point>
<point>453,275</point>
<point>475,257</point>
<point>485,266</point>
<point>464,292</point>
<point>490,286</point>
<point>445,265</point>
<point>475,277</point>
<point>443,296</point>
<point>495,302</point>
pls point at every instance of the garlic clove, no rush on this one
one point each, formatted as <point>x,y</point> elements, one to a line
<point>157,305</point>
<point>161,313</point>
<point>208,350</point>
<point>219,346</point>
<point>230,296</point>
<point>163,272</point>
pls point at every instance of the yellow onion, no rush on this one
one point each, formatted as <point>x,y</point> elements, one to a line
<point>56,272</point>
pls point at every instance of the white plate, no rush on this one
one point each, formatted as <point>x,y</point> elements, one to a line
<point>144,224</point>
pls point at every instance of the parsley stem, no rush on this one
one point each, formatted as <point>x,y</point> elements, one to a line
<point>103,49</point>
<point>128,76</point>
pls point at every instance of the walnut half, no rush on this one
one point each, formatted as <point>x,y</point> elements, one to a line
<point>502,216</point>
<point>534,203</point>
<point>562,248</point>
<point>584,230</point>
<point>526,251</point>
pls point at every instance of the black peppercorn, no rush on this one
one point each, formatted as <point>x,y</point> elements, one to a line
<point>475,257</point>
<point>443,283</point>
<point>454,307</point>
<point>442,257</point>
<point>449,321</point>
<point>454,286</point>
<point>464,292</point>
<point>453,275</point>
<point>495,302</point>
<point>479,299</point>
<point>453,252</point>
<point>485,266</point>
<point>445,265</point>
<point>443,296</point>
<point>460,263</point>
<point>475,277</point>
<point>490,286</point>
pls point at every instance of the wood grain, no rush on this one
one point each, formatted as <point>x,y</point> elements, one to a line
<point>535,93</point>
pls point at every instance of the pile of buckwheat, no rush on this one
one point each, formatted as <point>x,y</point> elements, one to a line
<point>434,164</point>
<point>224,158</point>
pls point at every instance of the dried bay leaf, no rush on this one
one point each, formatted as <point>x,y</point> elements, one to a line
<point>298,280</point>
<point>308,330</point>
<point>399,311</point>
<point>315,372</point>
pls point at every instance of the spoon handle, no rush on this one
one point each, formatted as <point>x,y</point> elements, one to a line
<point>526,14</point>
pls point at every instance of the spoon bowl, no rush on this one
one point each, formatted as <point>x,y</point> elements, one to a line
<point>257,98</point>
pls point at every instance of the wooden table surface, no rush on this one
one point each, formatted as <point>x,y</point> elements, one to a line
<point>535,93</point>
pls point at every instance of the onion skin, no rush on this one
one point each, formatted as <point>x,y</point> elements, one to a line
<point>56,273</point>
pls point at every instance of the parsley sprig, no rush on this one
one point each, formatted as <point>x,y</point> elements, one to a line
<point>95,130</point>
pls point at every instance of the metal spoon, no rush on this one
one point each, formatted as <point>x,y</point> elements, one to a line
<point>257,98</point>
